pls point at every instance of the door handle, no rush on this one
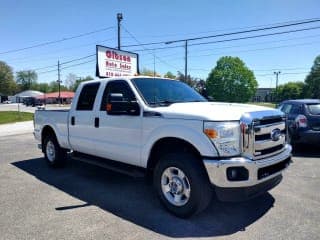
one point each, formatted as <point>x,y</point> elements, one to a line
<point>73,120</point>
<point>96,122</point>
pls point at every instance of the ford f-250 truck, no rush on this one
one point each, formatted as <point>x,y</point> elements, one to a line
<point>167,130</point>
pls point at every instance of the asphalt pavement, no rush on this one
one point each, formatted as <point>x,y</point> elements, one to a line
<point>87,202</point>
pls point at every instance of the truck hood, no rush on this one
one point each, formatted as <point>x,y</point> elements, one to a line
<point>214,111</point>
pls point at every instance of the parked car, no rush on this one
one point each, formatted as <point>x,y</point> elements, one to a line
<point>7,102</point>
<point>303,119</point>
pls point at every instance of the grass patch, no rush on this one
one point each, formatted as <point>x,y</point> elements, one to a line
<point>264,104</point>
<point>14,116</point>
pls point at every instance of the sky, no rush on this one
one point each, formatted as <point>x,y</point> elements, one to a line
<point>28,23</point>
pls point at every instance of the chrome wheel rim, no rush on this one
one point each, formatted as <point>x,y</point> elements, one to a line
<point>50,151</point>
<point>175,186</point>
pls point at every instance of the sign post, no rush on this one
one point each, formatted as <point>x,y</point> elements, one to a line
<point>116,63</point>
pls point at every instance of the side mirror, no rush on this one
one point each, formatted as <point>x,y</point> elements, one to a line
<point>117,105</point>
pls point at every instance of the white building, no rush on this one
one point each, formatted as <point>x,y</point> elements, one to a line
<point>25,94</point>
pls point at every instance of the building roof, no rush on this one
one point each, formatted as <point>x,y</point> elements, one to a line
<point>29,93</point>
<point>63,94</point>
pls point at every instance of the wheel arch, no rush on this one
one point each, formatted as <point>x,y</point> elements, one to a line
<point>47,131</point>
<point>170,144</point>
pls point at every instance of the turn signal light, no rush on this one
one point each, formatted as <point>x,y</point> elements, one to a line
<point>109,107</point>
<point>211,133</point>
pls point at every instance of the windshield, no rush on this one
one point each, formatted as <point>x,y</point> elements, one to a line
<point>314,108</point>
<point>163,92</point>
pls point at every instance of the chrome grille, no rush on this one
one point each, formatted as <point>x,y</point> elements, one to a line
<point>263,134</point>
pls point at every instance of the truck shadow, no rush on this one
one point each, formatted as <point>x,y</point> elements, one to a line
<point>134,200</point>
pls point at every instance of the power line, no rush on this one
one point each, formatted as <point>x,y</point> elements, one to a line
<point>229,29</point>
<point>256,36</point>
<point>77,59</point>
<point>78,64</point>
<point>164,62</point>
<point>226,34</point>
<point>247,31</point>
<point>56,41</point>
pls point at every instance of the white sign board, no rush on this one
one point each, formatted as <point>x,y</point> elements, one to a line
<point>116,63</point>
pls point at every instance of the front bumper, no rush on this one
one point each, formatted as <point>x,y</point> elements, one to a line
<point>259,171</point>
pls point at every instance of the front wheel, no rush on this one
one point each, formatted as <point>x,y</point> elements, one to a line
<point>182,184</point>
<point>55,155</point>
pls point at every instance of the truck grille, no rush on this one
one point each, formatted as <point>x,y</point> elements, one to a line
<point>263,134</point>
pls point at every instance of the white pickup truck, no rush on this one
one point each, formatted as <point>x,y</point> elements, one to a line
<point>165,129</point>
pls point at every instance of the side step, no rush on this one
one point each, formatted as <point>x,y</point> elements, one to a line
<point>119,167</point>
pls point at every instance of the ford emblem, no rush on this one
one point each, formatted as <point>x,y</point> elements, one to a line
<point>275,134</point>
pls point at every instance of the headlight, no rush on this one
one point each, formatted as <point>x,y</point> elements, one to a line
<point>225,136</point>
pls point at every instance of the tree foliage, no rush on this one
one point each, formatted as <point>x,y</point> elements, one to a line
<point>78,81</point>
<point>189,80</point>
<point>26,79</point>
<point>7,83</point>
<point>231,80</point>
<point>150,73</point>
<point>170,75</point>
<point>290,90</point>
<point>312,81</point>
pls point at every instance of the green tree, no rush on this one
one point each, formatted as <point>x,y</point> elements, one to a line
<point>231,80</point>
<point>54,87</point>
<point>150,73</point>
<point>71,80</point>
<point>290,90</point>
<point>43,87</point>
<point>7,83</point>
<point>170,75</point>
<point>78,81</point>
<point>189,80</point>
<point>26,79</point>
<point>312,81</point>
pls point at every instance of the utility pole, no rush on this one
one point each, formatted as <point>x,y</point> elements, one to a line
<point>185,57</point>
<point>59,82</point>
<point>277,78</point>
<point>186,61</point>
<point>119,18</point>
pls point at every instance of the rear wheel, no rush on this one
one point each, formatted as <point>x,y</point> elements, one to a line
<point>55,155</point>
<point>182,184</point>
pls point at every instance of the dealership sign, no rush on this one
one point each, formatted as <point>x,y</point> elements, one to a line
<point>116,63</point>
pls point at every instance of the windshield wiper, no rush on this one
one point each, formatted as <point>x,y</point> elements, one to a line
<point>163,103</point>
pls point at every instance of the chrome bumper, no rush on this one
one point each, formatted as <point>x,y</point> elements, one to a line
<point>217,169</point>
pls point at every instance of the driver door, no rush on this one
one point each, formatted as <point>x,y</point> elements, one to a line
<point>118,137</point>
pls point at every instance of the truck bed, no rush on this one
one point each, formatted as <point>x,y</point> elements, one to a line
<point>57,119</point>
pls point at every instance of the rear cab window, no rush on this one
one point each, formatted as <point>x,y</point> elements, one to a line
<point>87,97</point>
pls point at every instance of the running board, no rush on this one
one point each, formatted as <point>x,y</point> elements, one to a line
<point>119,167</point>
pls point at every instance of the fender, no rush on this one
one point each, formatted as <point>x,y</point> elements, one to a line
<point>62,136</point>
<point>191,135</point>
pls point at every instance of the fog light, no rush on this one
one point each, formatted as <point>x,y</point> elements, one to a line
<point>237,174</point>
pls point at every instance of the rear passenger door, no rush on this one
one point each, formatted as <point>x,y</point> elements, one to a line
<point>81,120</point>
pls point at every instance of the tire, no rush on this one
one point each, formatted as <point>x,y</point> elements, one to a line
<point>182,184</point>
<point>55,155</point>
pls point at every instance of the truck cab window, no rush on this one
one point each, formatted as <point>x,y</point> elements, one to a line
<point>117,86</point>
<point>87,97</point>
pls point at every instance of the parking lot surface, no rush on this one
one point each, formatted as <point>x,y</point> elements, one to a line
<point>86,202</point>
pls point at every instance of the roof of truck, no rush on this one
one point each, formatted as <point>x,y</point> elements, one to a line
<point>302,101</point>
